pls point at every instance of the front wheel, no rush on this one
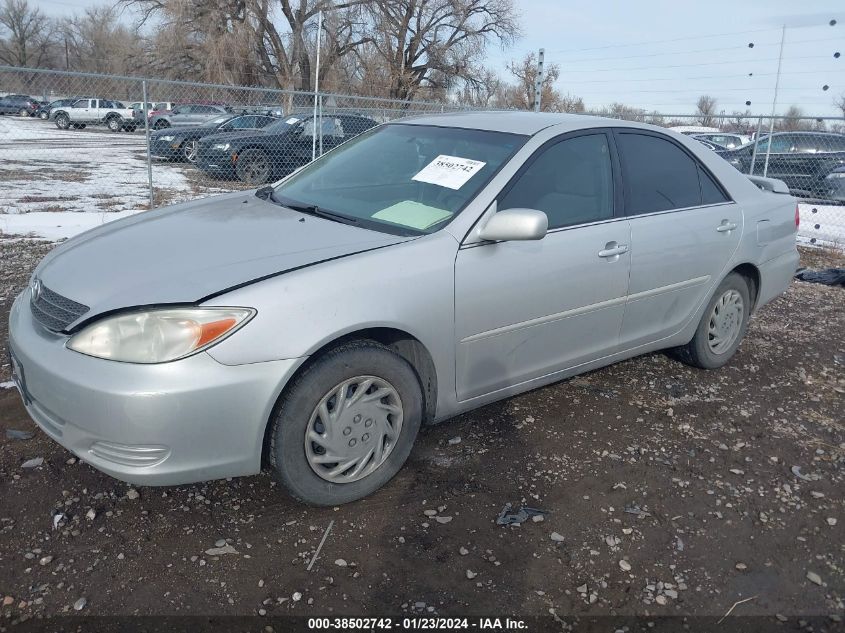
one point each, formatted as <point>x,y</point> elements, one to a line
<point>253,167</point>
<point>346,424</point>
<point>23,112</point>
<point>160,124</point>
<point>189,150</point>
<point>43,116</point>
<point>114,124</point>
<point>722,327</point>
<point>62,121</point>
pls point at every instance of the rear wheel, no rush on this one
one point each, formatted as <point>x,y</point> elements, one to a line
<point>346,424</point>
<point>23,112</point>
<point>160,124</point>
<point>722,327</point>
<point>43,116</point>
<point>253,167</point>
<point>189,150</point>
<point>62,121</point>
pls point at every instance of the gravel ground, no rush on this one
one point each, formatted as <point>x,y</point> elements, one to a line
<point>669,490</point>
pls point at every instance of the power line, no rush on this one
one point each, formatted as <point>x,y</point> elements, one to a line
<point>677,39</point>
<point>722,63</point>
<point>701,50</point>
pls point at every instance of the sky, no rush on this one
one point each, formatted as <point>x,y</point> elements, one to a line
<point>663,54</point>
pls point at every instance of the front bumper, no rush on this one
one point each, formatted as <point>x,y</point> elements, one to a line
<point>174,423</point>
<point>165,149</point>
<point>215,161</point>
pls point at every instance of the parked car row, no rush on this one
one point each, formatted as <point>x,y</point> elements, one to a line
<point>255,148</point>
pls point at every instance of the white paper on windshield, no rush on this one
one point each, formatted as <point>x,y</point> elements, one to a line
<point>292,120</point>
<point>449,171</point>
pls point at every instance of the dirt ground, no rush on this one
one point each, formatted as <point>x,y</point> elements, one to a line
<point>669,490</point>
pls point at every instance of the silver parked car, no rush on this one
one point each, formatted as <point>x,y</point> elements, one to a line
<point>425,268</point>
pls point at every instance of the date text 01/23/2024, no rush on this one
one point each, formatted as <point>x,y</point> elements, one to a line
<point>416,623</point>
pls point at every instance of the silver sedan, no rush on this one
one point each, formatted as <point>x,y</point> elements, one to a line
<point>420,270</point>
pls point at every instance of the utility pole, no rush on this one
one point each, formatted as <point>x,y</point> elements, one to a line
<point>317,124</point>
<point>538,83</point>
<point>774,102</point>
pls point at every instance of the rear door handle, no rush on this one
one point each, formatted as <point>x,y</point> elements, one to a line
<point>726,226</point>
<point>613,249</point>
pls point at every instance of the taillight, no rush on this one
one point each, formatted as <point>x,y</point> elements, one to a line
<point>797,218</point>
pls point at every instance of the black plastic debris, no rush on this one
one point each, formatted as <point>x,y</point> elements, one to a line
<point>828,277</point>
<point>508,516</point>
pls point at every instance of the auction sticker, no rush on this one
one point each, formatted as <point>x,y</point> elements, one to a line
<point>449,171</point>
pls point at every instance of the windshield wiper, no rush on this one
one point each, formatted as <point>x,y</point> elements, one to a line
<point>313,209</point>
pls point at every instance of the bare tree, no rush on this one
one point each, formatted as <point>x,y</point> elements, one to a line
<point>839,103</point>
<point>97,41</point>
<point>522,94</point>
<point>436,42</point>
<point>26,34</point>
<point>706,109</point>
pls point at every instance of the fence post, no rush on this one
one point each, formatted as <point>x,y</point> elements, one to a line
<point>756,142</point>
<point>147,141</point>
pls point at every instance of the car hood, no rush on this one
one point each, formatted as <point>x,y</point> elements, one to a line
<point>190,251</point>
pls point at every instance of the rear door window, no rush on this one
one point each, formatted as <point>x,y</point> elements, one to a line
<point>657,174</point>
<point>660,176</point>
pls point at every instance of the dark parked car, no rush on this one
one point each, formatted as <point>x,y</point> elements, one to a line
<point>273,152</point>
<point>802,160</point>
<point>22,105</point>
<point>835,182</point>
<point>182,143</point>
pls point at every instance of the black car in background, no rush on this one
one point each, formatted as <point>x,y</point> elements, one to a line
<point>181,143</point>
<point>22,105</point>
<point>278,149</point>
<point>802,160</point>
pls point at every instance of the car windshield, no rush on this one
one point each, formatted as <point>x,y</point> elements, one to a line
<point>405,179</point>
<point>283,125</point>
<point>217,121</point>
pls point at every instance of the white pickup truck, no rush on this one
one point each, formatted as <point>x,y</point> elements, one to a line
<point>113,114</point>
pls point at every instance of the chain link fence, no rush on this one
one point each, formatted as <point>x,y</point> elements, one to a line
<point>108,144</point>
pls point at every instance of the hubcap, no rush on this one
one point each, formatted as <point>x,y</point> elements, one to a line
<point>353,429</point>
<point>256,170</point>
<point>191,151</point>
<point>725,322</point>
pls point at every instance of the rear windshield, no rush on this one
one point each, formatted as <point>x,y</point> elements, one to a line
<point>407,179</point>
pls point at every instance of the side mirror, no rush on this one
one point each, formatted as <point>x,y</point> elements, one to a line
<point>515,224</point>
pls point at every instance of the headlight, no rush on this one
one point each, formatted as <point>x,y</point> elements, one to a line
<point>169,137</point>
<point>223,146</point>
<point>158,335</point>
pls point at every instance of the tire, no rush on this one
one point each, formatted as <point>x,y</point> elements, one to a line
<point>713,346</point>
<point>62,121</point>
<point>114,124</point>
<point>161,124</point>
<point>43,116</point>
<point>253,167</point>
<point>23,112</point>
<point>299,410</point>
<point>189,150</point>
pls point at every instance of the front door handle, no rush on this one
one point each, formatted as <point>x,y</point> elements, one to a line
<point>726,226</point>
<point>613,249</point>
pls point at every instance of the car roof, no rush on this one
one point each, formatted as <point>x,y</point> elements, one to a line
<point>520,122</point>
